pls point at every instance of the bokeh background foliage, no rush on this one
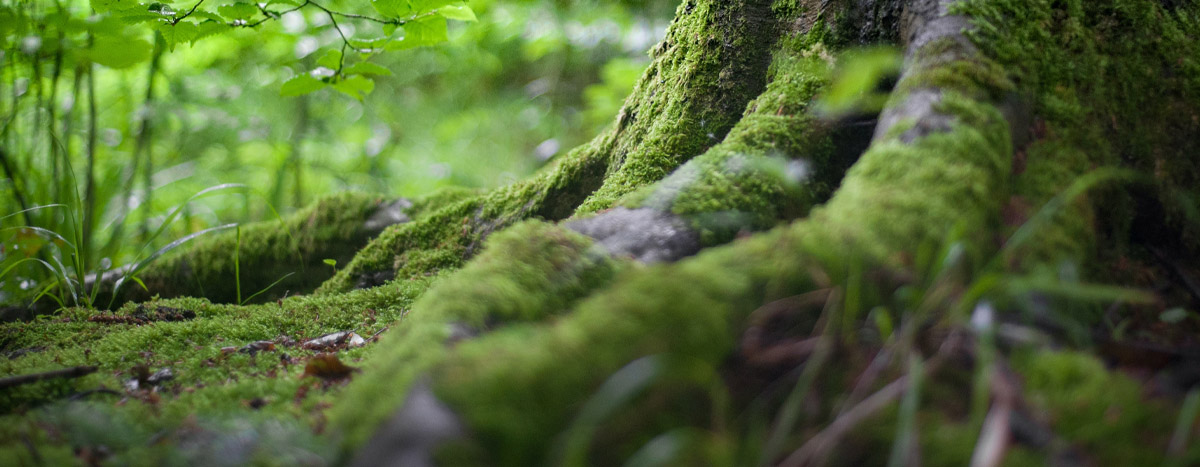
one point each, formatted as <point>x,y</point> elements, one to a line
<point>116,113</point>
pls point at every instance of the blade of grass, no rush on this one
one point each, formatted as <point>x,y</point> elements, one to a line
<point>35,208</point>
<point>906,425</point>
<point>1183,428</point>
<point>269,287</point>
<point>789,414</point>
<point>615,392</point>
<point>237,270</point>
<point>142,264</point>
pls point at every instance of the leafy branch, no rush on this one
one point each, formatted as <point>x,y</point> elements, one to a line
<point>177,19</point>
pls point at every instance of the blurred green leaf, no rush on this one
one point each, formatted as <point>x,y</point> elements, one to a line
<point>237,10</point>
<point>119,53</point>
<point>356,86</point>
<point>332,59</point>
<point>367,68</point>
<point>460,12</point>
<point>375,43</point>
<point>102,6</point>
<point>201,14</point>
<point>392,8</point>
<point>1173,316</point>
<point>300,84</point>
<point>423,32</point>
<point>857,78</point>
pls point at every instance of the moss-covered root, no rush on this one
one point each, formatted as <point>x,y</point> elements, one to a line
<point>726,44</point>
<point>524,274</point>
<point>291,251</point>
<point>517,387</point>
<point>774,165</point>
<point>712,63</point>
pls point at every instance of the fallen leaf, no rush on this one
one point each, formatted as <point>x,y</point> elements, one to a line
<point>327,366</point>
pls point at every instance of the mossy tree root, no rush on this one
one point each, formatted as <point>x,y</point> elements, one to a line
<point>703,74</point>
<point>942,165</point>
<point>289,253</point>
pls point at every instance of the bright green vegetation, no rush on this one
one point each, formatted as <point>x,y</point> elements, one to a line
<point>947,276</point>
<point>484,108</point>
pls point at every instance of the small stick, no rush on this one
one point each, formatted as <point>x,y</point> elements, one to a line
<point>73,372</point>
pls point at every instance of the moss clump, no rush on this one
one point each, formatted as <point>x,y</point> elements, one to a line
<point>1104,414</point>
<point>332,228</point>
<point>710,65</point>
<point>774,165</point>
<point>527,273</point>
<point>446,237</point>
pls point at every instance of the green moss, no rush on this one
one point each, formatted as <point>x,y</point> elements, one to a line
<point>208,381</point>
<point>1115,83</point>
<point>774,165</point>
<point>445,238</point>
<point>527,273</point>
<point>520,385</point>
<point>332,228</point>
<point>1102,413</point>
<point>708,68</point>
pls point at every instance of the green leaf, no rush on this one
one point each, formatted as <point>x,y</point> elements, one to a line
<point>209,28</point>
<point>331,59</point>
<point>367,68</point>
<point>301,84</point>
<point>389,29</point>
<point>376,43</point>
<point>426,6</point>
<point>331,262</point>
<point>102,6</point>
<point>237,10</point>
<point>181,33</point>
<point>423,32</point>
<point>201,14</point>
<point>355,86</point>
<point>117,52</point>
<point>284,2</point>
<point>393,8</point>
<point>1173,316</point>
<point>460,12</point>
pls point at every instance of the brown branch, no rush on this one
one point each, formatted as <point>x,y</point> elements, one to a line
<point>73,372</point>
<point>177,19</point>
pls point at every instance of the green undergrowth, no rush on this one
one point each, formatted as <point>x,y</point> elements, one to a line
<point>1094,412</point>
<point>217,397</point>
